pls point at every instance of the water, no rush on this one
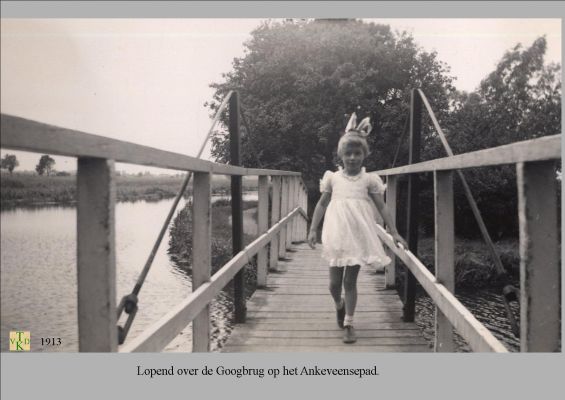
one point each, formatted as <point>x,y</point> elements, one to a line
<point>38,270</point>
<point>485,304</point>
<point>38,278</point>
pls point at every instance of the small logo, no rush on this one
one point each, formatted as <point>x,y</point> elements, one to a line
<point>20,341</point>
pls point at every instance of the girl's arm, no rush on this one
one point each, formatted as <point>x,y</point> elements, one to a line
<point>391,226</point>
<point>319,212</point>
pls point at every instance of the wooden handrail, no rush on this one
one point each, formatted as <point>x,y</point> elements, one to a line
<point>24,134</point>
<point>168,327</point>
<point>476,334</point>
<point>540,149</point>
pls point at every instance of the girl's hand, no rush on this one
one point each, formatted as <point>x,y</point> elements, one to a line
<point>399,240</point>
<point>312,239</point>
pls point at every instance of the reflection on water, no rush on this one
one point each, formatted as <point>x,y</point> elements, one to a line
<point>38,271</point>
<point>486,305</point>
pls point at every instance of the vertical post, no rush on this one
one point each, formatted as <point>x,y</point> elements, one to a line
<point>201,255</point>
<point>96,257</point>
<point>305,231</point>
<point>284,211</point>
<point>275,216</point>
<point>302,227</point>
<point>391,190</point>
<point>413,206</point>
<point>295,220</point>
<point>289,232</point>
<point>237,210</point>
<point>444,253</point>
<point>262,227</point>
<point>540,278</point>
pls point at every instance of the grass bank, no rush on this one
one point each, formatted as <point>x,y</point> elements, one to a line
<point>30,189</point>
<point>473,264</point>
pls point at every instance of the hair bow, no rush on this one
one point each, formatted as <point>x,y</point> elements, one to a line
<point>363,129</point>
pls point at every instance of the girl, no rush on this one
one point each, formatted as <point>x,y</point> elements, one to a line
<point>349,236</point>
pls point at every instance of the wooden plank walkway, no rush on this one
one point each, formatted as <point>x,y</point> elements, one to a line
<point>295,313</point>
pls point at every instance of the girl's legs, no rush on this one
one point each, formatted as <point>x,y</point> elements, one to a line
<point>336,280</point>
<point>350,286</point>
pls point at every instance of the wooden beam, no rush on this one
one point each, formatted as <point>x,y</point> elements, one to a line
<point>304,205</point>
<point>413,205</point>
<point>291,205</point>
<point>544,148</point>
<point>96,256</point>
<point>161,333</point>
<point>284,210</point>
<point>201,256</point>
<point>298,221</point>
<point>275,216</point>
<point>391,192</point>
<point>444,254</point>
<point>237,208</point>
<point>479,338</point>
<point>24,134</point>
<point>270,172</point>
<point>262,227</point>
<point>540,290</point>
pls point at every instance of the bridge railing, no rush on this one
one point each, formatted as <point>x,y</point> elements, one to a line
<point>96,257</point>
<point>540,315</point>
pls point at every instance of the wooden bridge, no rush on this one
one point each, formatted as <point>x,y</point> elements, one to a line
<point>292,310</point>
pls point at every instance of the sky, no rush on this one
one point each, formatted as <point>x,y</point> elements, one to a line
<point>146,80</point>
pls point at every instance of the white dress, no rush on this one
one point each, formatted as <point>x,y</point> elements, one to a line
<point>349,236</point>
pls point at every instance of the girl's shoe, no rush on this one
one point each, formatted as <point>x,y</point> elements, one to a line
<point>341,314</point>
<point>349,334</point>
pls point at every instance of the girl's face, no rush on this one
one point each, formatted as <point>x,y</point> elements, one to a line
<point>353,157</point>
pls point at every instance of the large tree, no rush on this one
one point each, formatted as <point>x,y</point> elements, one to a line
<point>300,80</point>
<point>519,100</point>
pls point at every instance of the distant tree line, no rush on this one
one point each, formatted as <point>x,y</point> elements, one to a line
<point>300,80</point>
<point>44,166</point>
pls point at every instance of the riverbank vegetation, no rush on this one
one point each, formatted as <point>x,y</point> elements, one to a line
<point>180,242</point>
<point>26,189</point>
<point>474,267</point>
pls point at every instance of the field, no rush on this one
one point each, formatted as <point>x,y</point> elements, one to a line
<point>20,189</point>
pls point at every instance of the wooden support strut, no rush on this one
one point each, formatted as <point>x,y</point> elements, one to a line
<point>275,216</point>
<point>237,209</point>
<point>284,211</point>
<point>540,289</point>
<point>391,191</point>
<point>202,256</point>
<point>96,256</point>
<point>444,254</point>
<point>413,204</point>
<point>262,226</point>
<point>289,230</point>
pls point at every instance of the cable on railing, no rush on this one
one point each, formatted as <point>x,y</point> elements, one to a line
<point>129,302</point>
<point>509,292</point>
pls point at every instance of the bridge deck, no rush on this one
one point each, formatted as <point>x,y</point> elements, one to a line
<point>295,313</point>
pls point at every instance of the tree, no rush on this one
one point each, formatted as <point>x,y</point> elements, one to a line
<point>519,100</point>
<point>10,162</point>
<point>300,80</point>
<point>45,165</point>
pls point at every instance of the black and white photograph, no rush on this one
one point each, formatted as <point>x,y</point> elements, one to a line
<point>269,185</point>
